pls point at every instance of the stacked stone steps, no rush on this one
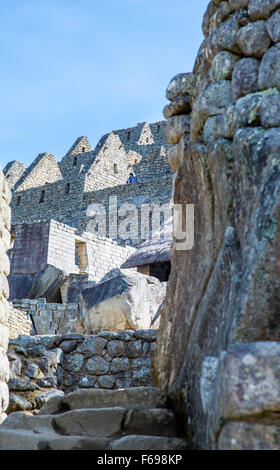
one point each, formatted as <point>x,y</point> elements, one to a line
<point>96,419</point>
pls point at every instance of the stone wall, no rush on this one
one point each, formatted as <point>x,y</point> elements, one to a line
<point>5,240</point>
<point>51,318</point>
<point>72,210</point>
<point>52,243</point>
<point>42,171</point>
<point>19,322</point>
<point>42,365</point>
<point>62,191</point>
<point>226,156</point>
<point>13,172</point>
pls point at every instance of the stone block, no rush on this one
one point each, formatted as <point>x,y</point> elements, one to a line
<point>106,381</point>
<point>18,403</point>
<point>130,398</point>
<point>87,381</point>
<point>134,349</point>
<point>158,422</point>
<point>249,376</point>
<point>116,348</point>
<point>176,127</point>
<point>97,365</point>
<point>119,364</point>
<point>249,436</point>
<point>270,111</point>
<point>262,9</point>
<point>181,84</point>
<point>253,39</point>
<point>92,345</point>
<point>245,77</point>
<point>269,72</point>
<point>73,362</point>
<point>135,442</point>
<point>91,422</point>
<point>42,398</point>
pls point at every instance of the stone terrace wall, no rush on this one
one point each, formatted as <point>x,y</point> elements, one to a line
<point>5,240</point>
<point>227,288</point>
<point>41,365</point>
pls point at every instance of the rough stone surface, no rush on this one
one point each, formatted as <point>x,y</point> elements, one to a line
<point>225,290</point>
<point>5,221</point>
<point>253,39</point>
<point>259,9</point>
<point>124,301</point>
<point>245,77</point>
<point>131,397</point>
<point>246,436</point>
<point>269,74</point>
<point>148,443</point>
<point>270,111</point>
<point>103,423</point>
<point>223,65</point>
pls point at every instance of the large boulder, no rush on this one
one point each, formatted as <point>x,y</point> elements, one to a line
<point>122,301</point>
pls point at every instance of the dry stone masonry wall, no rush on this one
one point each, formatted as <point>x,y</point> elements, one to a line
<point>49,365</point>
<point>5,240</point>
<point>226,157</point>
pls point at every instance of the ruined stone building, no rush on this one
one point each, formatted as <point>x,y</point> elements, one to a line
<point>215,356</point>
<point>56,252</point>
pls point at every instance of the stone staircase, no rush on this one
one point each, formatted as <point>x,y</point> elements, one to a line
<point>96,419</point>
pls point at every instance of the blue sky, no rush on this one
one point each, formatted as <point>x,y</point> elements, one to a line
<point>86,67</point>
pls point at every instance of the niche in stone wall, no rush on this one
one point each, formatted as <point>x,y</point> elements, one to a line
<point>81,256</point>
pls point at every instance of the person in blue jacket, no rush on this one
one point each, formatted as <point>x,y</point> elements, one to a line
<point>131,179</point>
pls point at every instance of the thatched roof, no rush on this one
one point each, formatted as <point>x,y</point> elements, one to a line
<point>155,250</point>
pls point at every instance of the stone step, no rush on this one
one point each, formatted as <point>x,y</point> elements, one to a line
<point>27,440</point>
<point>90,422</point>
<point>148,443</point>
<point>138,397</point>
<point>110,422</point>
<point>22,421</point>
